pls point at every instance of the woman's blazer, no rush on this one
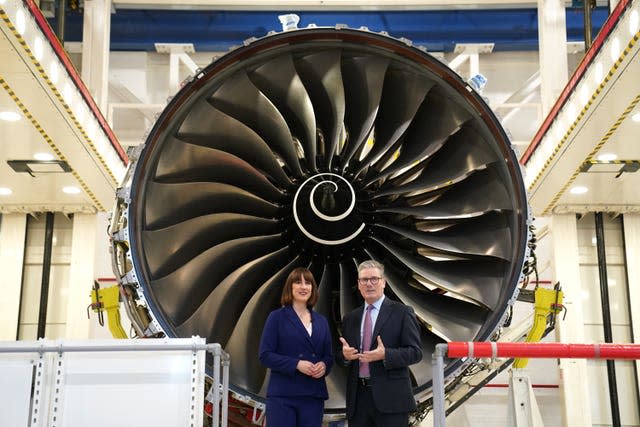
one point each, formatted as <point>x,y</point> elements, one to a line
<point>285,341</point>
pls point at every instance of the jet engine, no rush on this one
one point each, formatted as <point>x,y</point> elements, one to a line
<point>322,148</point>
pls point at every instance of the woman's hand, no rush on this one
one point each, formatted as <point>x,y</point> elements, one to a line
<point>319,369</point>
<point>314,370</point>
<point>305,367</point>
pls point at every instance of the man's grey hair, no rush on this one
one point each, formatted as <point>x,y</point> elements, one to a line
<point>371,264</point>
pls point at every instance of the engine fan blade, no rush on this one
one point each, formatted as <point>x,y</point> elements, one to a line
<point>239,98</point>
<point>168,248</point>
<point>184,290</point>
<point>189,163</point>
<point>402,95</point>
<point>169,204</point>
<point>209,127</point>
<point>279,81</point>
<point>363,80</point>
<point>322,77</point>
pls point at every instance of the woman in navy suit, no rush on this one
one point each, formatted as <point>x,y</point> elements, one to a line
<point>296,346</point>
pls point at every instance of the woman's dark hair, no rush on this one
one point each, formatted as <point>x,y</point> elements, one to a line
<point>287,291</point>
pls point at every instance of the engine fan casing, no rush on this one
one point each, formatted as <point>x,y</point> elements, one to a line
<point>322,148</point>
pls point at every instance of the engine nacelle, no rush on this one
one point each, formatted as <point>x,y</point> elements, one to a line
<point>321,147</point>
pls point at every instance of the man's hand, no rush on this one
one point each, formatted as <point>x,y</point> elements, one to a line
<point>373,355</point>
<point>348,352</point>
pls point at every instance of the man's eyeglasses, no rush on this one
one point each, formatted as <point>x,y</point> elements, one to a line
<point>372,280</point>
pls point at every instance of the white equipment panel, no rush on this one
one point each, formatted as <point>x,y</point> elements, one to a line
<point>105,383</point>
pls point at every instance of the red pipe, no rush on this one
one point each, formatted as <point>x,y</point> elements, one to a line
<point>543,350</point>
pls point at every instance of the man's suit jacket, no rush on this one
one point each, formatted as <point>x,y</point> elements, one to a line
<point>284,342</point>
<point>390,381</point>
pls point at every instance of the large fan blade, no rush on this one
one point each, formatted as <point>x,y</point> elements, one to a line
<point>209,127</point>
<point>463,200</point>
<point>436,121</point>
<point>322,77</point>
<point>348,289</point>
<point>402,95</point>
<point>454,319</point>
<point>279,81</point>
<point>169,204</point>
<point>480,281</point>
<point>239,98</point>
<point>189,163</point>
<point>184,290</point>
<point>363,79</point>
<point>464,153</point>
<point>488,235</point>
<point>169,248</point>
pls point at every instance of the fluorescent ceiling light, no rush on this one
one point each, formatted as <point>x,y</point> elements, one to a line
<point>4,191</point>
<point>38,48</point>
<point>53,72</point>
<point>9,116</point>
<point>21,22</point>
<point>634,20</point>
<point>578,189</point>
<point>615,49</point>
<point>607,157</point>
<point>71,190</point>
<point>43,156</point>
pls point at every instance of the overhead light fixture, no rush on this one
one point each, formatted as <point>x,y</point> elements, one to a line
<point>599,73</point>
<point>9,116</point>
<point>21,22</point>
<point>71,190</point>
<point>610,166</point>
<point>607,157</point>
<point>584,94</point>
<point>4,191</point>
<point>636,117</point>
<point>33,166</point>
<point>615,49</point>
<point>53,72</point>
<point>634,22</point>
<point>38,48</point>
<point>67,94</point>
<point>579,189</point>
<point>46,157</point>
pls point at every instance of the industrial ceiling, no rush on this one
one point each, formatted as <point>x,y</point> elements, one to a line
<point>86,154</point>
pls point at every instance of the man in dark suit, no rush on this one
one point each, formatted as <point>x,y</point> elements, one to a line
<point>380,340</point>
